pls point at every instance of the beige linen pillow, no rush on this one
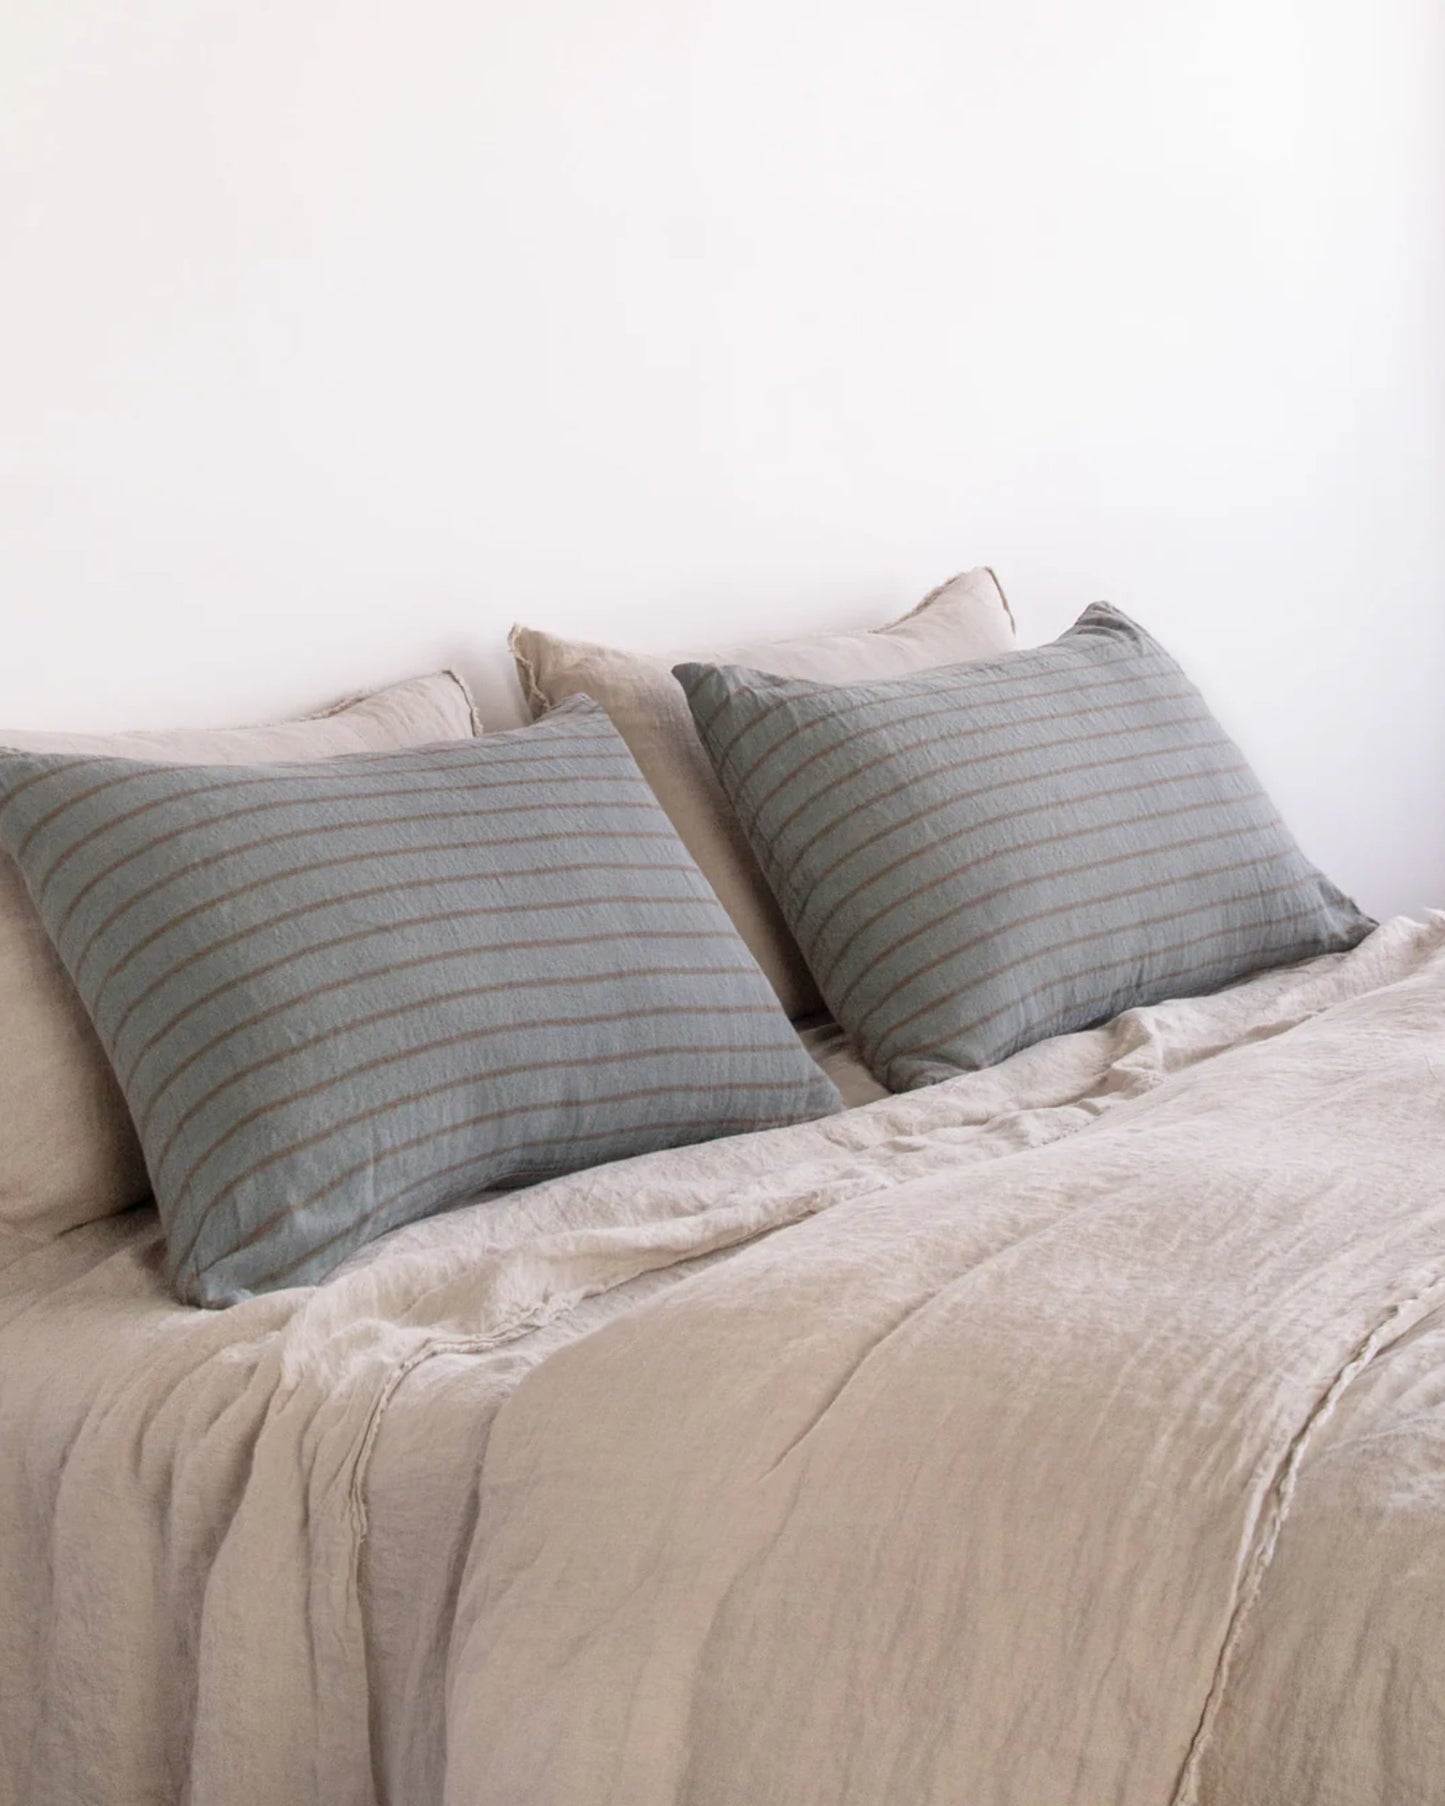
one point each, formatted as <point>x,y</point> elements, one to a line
<point>965,618</point>
<point>68,1153</point>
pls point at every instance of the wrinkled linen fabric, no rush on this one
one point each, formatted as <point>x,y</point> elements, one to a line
<point>1074,1437</point>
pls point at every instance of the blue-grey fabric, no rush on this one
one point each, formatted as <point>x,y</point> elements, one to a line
<point>978,857</point>
<point>340,996</point>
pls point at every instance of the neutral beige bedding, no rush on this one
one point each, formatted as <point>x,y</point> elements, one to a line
<point>1075,1436</point>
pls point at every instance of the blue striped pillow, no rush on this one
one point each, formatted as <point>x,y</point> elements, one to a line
<point>341,996</point>
<point>977,857</point>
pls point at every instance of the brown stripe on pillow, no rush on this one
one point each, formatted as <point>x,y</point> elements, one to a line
<point>1048,874</point>
<point>803,693</point>
<point>561,1148</point>
<point>307,1000</point>
<point>971,762</point>
<point>1184,975</point>
<point>363,976</point>
<point>369,855</point>
<point>432,1003</point>
<point>1070,907</point>
<point>177,874</point>
<point>185,1262</point>
<point>877,873</point>
<point>349,767</point>
<point>46,877</point>
<point>948,708</point>
<point>178,968</point>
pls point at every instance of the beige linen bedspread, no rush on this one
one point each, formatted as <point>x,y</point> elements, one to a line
<point>1073,1432</point>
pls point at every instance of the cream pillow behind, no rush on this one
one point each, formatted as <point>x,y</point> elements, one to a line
<point>966,618</point>
<point>68,1153</point>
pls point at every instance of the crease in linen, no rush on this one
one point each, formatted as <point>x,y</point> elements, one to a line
<point>1397,1321</point>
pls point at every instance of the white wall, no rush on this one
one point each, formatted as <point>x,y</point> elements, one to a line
<point>336,334</point>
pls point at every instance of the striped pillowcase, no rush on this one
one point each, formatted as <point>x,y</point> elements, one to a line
<point>341,996</point>
<point>975,858</point>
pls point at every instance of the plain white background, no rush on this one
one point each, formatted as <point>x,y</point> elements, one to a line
<point>337,334</point>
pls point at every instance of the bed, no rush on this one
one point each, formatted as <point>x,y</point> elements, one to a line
<point>474,1521</point>
<point>1024,1383</point>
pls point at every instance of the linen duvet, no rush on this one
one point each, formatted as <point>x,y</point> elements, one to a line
<point>1071,1432</point>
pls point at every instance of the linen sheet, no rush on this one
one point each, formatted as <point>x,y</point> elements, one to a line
<point>1068,1432</point>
